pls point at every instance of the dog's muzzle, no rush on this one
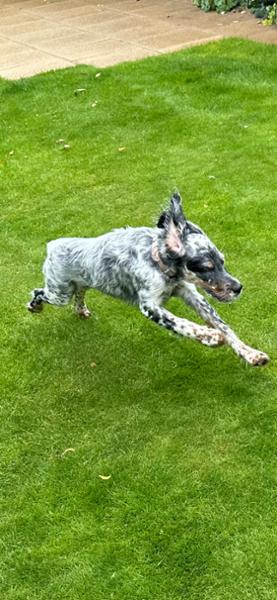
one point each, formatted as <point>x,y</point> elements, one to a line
<point>228,293</point>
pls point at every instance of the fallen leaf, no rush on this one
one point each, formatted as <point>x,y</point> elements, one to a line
<point>93,365</point>
<point>121,148</point>
<point>105,477</point>
<point>67,450</point>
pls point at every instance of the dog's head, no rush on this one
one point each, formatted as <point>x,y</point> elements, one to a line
<point>185,246</point>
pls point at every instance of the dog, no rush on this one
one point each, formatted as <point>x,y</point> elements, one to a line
<point>146,266</point>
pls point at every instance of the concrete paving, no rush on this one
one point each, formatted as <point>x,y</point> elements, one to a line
<point>39,35</point>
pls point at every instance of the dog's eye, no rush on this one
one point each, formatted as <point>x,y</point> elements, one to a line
<point>197,267</point>
<point>205,268</point>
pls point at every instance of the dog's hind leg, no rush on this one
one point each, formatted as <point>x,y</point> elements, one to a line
<point>80,305</point>
<point>37,301</point>
<point>58,295</point>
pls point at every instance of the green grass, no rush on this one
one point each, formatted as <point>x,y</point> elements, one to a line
<point>187,434</point>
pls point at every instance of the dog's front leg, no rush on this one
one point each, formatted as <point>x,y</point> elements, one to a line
<point>164,318</point>
<point>210,316</point>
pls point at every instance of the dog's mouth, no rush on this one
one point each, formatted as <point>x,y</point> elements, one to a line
<point>223,295</point>
<point>226,290</point>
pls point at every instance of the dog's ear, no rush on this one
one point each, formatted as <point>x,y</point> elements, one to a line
<point>174,223</point>
<point>162,220</point>
<point>176,210</point>
<point>174,240</point>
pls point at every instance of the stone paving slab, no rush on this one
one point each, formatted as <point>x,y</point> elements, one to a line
<point>40,35</point>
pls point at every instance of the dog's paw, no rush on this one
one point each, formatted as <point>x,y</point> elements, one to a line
<point>34,308</point>
<point>253,357</point>
<point>211,337</point>
<point>83,312</point>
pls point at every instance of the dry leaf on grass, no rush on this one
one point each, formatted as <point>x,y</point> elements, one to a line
<point>105,477</point>
<point>121,148</point>
<point>67,450</point>
<point>93,365</point>
<point>62,143</point>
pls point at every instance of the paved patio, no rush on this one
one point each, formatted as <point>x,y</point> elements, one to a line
<point>39,35</point>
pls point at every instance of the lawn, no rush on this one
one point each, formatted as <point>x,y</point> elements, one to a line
<point>136,465</point>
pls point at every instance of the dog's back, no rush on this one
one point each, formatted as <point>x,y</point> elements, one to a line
<point>107,262</point>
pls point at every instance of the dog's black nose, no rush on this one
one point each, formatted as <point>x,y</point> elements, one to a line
<point>237,287</point>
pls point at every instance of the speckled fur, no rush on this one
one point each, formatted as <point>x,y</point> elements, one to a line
<point>146,266</point>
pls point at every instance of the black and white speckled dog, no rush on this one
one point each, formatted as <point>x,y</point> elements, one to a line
<point>146,266</point>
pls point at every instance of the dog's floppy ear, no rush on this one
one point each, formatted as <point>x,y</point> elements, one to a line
<point>176,210</point>
<point>173,222</point>
<point>162,220</point>
<point>173,240</point>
